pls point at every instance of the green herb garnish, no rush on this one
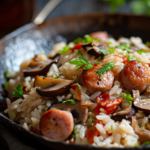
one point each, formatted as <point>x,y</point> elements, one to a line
<point>56,76</point>
<point>81,61</point>
<point>147,43</point>
<point>75,132</point>
<point>104,52</point>
<point>128,98</point>
<point>141,51</point>
<point>146,143</point>
<point>143,127</point>
<point>124,47</point>
<point>6,83</point>
<point>88,39</point>
<point>6,74</point>
<point>112,128</point>
<point>11,115</point>
<point>109,43</point>
<point>64,49</point>
<point>97,60</point>
<point>112,50</point>
<point>78,85</point>
<point>69,100</point>
<point>105,68</point>
<point>18,92</point>
<point>78,52</point>
<point>136,144</point>
<point>79,39</point>
<point>137,126</point>
<point>91,120</point>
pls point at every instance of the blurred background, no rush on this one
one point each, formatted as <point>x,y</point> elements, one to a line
<point>16,13</point>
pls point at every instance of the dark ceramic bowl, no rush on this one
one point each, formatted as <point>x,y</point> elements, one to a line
<point>31,39</point>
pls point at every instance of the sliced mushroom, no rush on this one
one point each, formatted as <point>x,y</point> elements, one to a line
<point>50,87</point>
<point>95,47</point>
<point>79,113</point>
<point>39,68</point>
<point>125,112</point>
<point>144,135</point>
<point>141,104</point>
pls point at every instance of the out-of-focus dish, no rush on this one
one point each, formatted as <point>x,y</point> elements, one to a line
<point>95,90</point>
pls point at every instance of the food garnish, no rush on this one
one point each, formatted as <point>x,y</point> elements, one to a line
<point>64,49</point>
<point>69,100</point>
<point>75,132</point>
<point>142,51</point>
<point>146,143</point>
<point>81,62</point>
<point>111,127</point>
<point>97,60</point>
<point>112,50</point>
<point>105,68</point>
<point>124,47</point>
<point>6,83</point>
<point>104,52</point>
<point>91,120</point>
<point>18,92</point>
<point>128,98</point>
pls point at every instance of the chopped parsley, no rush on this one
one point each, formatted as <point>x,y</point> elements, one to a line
<point>109,43</point>
<point>86,39</point>
<point>97,60</point>
<point>105,68</point>
<point>69,100</point>
<point>12,116</point>
<point>146,143</point>
<point>91,120</point>
<point>143,127</point>
<point>6,83</point>
<point>75,132</point>
<point>78,85</point>
<point>78,52</point>
<point>64,49</point>
<point>79,39</point>
<point>56,76</point>
<point>137,126</point>
<point>142,51</point>
<point>6,74</point>
<point>136,144</point>
<point>81,62</point>
<point>147,43</point>
<point>112,50</point>
<point>128,98</point>
<point>124,47</point>
<point>104,52</point>
<point>112,128</point>
<point>18,92</point>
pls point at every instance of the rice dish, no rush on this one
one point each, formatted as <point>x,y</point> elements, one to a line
<point>92,91</point>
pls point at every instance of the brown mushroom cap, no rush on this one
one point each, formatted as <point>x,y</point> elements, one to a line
<point>39,68</point>
<point>50,87</point>
<point>144,135</point>
<point>79,113</point>
<point>95,47</point>
<point>141,104</point>
<point>125,112</point>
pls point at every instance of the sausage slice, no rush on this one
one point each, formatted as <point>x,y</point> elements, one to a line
<point>56,124</point>
<point>93,82</point>
<point>135,76</point>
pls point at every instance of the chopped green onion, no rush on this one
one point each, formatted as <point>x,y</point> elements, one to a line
<point>78,85</point>
<point>111,127</point>
<point>69,100</point>
<point>64,49</point>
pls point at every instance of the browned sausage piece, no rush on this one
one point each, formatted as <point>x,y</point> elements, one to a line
<point>135,76</point>
<point>93,82</point>
<point>100,35</point>
<point>56,124</point>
